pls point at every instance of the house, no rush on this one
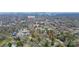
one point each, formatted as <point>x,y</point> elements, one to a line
<point>23,32</point>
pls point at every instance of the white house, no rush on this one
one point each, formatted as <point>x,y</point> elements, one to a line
<point>23,32</point>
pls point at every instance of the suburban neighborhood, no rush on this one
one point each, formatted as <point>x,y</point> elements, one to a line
<point>39,30</point>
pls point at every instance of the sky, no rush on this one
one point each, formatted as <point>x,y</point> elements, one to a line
<point>41,13</point>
